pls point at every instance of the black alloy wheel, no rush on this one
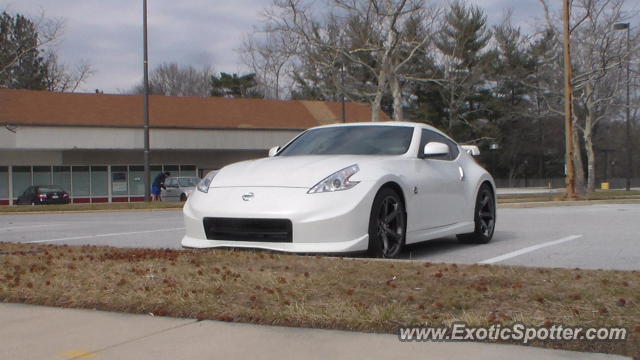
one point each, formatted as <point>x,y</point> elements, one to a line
<point>484,217</point>
<point>387,225</point>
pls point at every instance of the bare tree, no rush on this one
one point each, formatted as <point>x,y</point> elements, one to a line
<point>62,78</point>
<point>367,38</point>
<point>171,79</point>
<point>267,54</point>
<point>597,56</point>
<point>598,60</point>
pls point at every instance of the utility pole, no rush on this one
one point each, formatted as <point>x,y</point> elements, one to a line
<point>568,101</point>
<point>147,173</point>
<point>628,125</point>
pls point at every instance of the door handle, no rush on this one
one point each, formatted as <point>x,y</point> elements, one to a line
<point>461,173</point>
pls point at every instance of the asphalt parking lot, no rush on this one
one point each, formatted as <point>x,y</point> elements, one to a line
<point>603,236</point>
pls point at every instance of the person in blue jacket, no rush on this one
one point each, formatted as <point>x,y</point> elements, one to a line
<point>158,183</point>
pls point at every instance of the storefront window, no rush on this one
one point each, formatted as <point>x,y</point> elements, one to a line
<point>42,175</point>
<point>21,179</point>
<point>62,177</point>
<point>4,182</point>
<point>173,169</point>
<point>136,182</point>
<point>99,181</point>
<point>188,170</point>
<point>80,175</point>
<point>119,183</point>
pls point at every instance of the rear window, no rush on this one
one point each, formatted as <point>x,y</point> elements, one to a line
<point>49,188</point>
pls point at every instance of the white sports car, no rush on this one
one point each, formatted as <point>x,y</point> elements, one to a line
<point>346,188</point>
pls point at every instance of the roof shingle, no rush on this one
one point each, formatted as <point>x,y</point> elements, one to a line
<point>27,107</point>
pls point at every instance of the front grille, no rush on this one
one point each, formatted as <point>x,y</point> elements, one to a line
<point>258,230</point>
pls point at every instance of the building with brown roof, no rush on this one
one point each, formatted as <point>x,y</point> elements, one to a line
<point>91,144</point>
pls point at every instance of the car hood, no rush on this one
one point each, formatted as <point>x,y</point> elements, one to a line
<point>286,171</point>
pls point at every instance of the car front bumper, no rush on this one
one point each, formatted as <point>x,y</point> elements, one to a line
<point>325,223</point>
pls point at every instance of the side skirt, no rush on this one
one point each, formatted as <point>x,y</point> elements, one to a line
<point>440,232</point>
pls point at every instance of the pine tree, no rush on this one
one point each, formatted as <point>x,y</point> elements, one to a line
<point>232,85</point>
<point>22,65</point>
<point>462,41</point>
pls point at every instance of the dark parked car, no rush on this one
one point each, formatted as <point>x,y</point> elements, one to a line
<point>43,194</point>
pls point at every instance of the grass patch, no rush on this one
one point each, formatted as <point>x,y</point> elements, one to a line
<point>91,207</point>
<point>307,291</point>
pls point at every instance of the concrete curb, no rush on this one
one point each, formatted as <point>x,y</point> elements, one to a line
<point>535,204</point>
<point>84,211</point>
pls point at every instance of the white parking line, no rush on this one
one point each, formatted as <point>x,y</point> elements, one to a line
<point>103,235</point>
<point>528,249</point>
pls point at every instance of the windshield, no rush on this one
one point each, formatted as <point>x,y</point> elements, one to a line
<point>352,140</point>
<point>188,182</point>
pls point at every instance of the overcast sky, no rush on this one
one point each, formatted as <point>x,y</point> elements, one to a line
<point>108,33</point>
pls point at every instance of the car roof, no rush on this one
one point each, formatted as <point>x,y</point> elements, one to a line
<point>383,123</point>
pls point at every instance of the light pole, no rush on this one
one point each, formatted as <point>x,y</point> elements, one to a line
<point>147,173</point>
<point>627,26</point>
<point>344,107</point>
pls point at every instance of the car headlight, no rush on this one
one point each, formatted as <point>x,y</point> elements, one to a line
<point>203,185</point>
<point>337,181</point>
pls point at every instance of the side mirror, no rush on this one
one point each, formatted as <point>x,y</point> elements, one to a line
<point>273,151</point>
<point>435,149</point>
<point>471,149</point>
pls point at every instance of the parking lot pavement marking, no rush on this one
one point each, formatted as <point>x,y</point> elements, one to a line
<point>529,249</point>
<point>103,235</point>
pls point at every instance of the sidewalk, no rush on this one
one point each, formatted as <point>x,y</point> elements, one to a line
<point>36,332</point>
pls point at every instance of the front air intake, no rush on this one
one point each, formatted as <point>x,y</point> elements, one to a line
<point>257,230</point>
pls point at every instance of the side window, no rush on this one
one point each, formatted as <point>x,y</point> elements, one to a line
<point>171,182</point>
<point>430,136</point>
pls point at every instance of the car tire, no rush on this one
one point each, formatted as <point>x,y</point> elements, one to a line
<point>183,197</point>
<point>484,217</point>
<point>387,225</point>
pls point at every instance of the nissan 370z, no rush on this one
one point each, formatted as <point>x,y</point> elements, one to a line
<point>347,188</point>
